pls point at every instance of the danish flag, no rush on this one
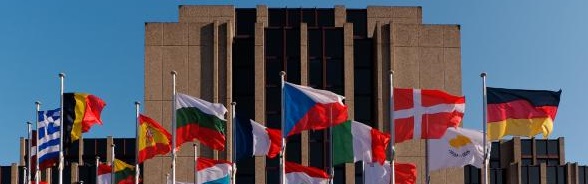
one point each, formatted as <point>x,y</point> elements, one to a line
<point>425,114</point>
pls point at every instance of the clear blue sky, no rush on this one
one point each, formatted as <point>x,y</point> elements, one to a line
<point>534,44</point>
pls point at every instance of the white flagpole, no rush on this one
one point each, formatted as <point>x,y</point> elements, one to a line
<point>363,170</point>
<point>29,157</point>
<point>137,106</point>
<point>195,163</point>
<point>427,173</point>
<point>484,123</point>
<point>24,176</point>
<point>391,129</point>
<point>62,119</point>
<point>97,166</point>
<point>332,170</point>
<point>37,171</point>
<point>234,155</point>
<point>283,150</point>
<point>174,73</point>
<point>113,176</point>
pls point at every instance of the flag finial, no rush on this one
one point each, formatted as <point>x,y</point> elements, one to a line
<point>37,103</point>
<point>233,103</point>
<point>137,103</point>
<point>61,74</point>
<point>483,74</point>
<point>173,72</point>
<point>391,71</point>
<point>282,73</point>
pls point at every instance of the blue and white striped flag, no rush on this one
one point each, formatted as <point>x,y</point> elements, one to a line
<point>48,132</point>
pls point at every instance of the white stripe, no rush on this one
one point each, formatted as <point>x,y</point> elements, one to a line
<point>301,177</point>
<point>261,141</point>
<point>50,149</point>
<point>48,137</point>
<point>215,109</point>
<point>418,115</point>
<point>362,141</point>
<point>214,173</point>
<point>319,96</point>
<point>376,173</point>
<point>105,178</point>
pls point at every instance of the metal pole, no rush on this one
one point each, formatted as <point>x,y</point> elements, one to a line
<point>234,155</point>
<point>391,128</point>
<point>284,133</point>
<point>24,176</point>
<point>29,157</point>
<point>137,107</point>
<point>174,73</point>
<point>427,173</point>
<point>195,163</point>
<point>484,123</point>
<point>363,171</point>
<point>37,171</point>
<point>332,170</point>
<point>97,167</point>
<point>61,164</point>
<point>113,176</point>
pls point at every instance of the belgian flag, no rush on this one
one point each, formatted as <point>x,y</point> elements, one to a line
<point>81,111</point>
<point>520,112</point>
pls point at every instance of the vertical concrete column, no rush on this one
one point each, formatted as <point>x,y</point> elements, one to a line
<point>215,69</point>
<point>109,143</point>
<point>23,148</point>
<point>349,78</point>
<point>74,172</point>
<point>380,111</point>
<point>81,150</point>
<point>572,174</point>
<point>534,149</point>
<point>514,173</point>
<point>262,15</point>
<point>229,87</point>
<point>259,85</point>
<point>304,154</point>
<point>14,174</point>
<point>340,15</point>
<point>543,173</point>
<point>516,149</point>
<point>561,150</point>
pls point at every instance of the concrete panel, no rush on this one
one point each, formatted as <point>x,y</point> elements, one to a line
<point>378,72</point>
<point>410,148</point>
<point>431,36</point>
<point>454,175</point>
<point>348,68</point>
<point>175,34</point>
<point>438,177</point>
<point>204,19</point>
<point>405,34</point>
<point>262,15</point>
<point>259,67</point>
<point>153,73</point>
<point>452,62</point>
<point>174,58</point>
<point>199,33</point>
<point>194,68</point>
<point>451,36</point>
<point>431,70</point>
<point>408,15</point>
<point>340,15</point>
<point>406,67</point>
<point>184,173</point>
<point>153,172</point>
<point>153,33</point>
<point>188,11</point>
<point>304,137</point>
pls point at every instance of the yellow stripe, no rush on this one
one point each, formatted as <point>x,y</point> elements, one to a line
<point>80,110</point>
<point>157,137</point>
<point>119,165</point>
<point>520,127</point>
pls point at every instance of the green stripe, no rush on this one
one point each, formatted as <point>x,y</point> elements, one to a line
<point>123,174</point>
<point>342,143</point>
<point>193,115</point>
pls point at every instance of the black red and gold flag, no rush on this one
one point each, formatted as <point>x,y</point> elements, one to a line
<point>81,112</point>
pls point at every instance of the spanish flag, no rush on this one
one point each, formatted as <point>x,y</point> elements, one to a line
<point>153,139</point>
<point>519,112</point>
<point>81,112</point>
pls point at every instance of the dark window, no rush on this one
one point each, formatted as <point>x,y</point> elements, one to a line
<point>363,80</point>
<point>553,147</point>
<point>556,175</point>
<point>530,174</point>
<point>497,176</point>
<point>526,161</point>
<point>541,147</point>
<point>359,173</point>
<point>359,20</point>
<point>471,175</point>
<point>5,174</point>
<point>294,17</point>
<point>276,17</point>
<point>326,17</point>
<point>495,155</point>
<point>526,147</point>
<point>245,22</point>
<point>309,17</point>
<point>581,175</point>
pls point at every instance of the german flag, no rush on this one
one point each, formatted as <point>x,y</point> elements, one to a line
<point>153,139</point>
<point>519,112</point>
<point>81,111</point>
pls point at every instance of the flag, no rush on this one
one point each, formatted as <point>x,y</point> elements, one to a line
<point>354,141</point>
<point>296,173</point>
<point>306,108</point>
<point>404,173</point>
<point>104,174</point>
<point>81,112</point>
<point>48,138</point>
<point>254,139</point>
<point>123,172</point>
<point>201,120</point>
<point>520,112</point>
<point>153,139</point>
<point>413,108</point>
<point>211,171</point>
<point>457,148</point>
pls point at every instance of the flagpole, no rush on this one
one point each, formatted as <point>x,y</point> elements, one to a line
<point>332,170</point>
<point>234,170</point>
<point>392,129</point>
<point>97,166</point>
<point>174,73</point>
<point>137,106</point>
<point>37,172</point>
<point>484,124</point>
<point>284,133</point>
<point>25,174</point>
<point>195,163</point>
<point>61,164</point>
<point>29,158</point>
<point>113,176</point>
<point>363,170</point>
<point>427,173</point>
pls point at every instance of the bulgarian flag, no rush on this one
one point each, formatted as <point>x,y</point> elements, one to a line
<point>201,120</point>
<point>296,173</point>
<point>354,141</point>
<point>123,173</point>
<point>153,139</point>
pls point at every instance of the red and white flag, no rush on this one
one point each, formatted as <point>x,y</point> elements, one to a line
<point>296,173</point>
<point>425,114</point>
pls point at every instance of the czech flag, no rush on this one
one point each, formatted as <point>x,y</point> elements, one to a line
<point>254,139</point>
<point>307,108</point>
<point>211,171</point>
<point>296,173</point>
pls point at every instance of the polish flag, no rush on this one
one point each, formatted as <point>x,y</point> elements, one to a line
<point>296,173</point>
<point>425,114</point>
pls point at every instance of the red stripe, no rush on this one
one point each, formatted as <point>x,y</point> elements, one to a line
<point>203,163</point>
<point>104,169</point>
<point>380,142</point>
<point>317,117</point>
<point>438,123</point>
<point>129,180</point>
<point>519,109</point>
<point>275,137</point>
<point>190,131</point>
<point>48,163</point>
<point>405,173</point>
<point>404,98</point>
<point>310,171</point>
<point>152,151</point>
<point>94,106</point>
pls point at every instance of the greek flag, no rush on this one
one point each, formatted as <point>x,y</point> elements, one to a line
<point>48,132</point>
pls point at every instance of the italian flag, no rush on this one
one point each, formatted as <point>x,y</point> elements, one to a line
<point>354,141</point>
<point>201,120</point>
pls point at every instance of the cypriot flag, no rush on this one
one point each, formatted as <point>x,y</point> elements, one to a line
<point>457,148</point>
